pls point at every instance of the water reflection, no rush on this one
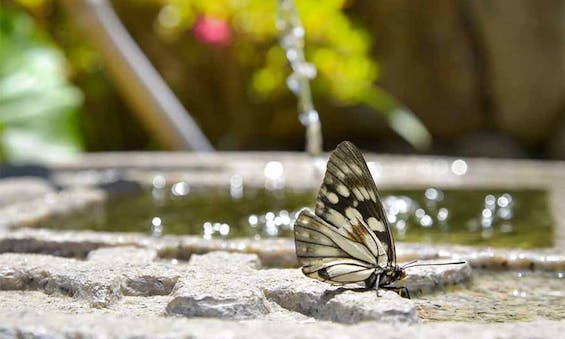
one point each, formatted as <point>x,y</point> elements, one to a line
<point>236,186</point>
<point>180,189</point>
<point>159,181</point>
<point>158,192</point>
<point>497,211</point>
<point>404,212</point>
<point>274,175</point>
<point>459,167</point>
<point>433,194</point>
<point>210,230</point>
<point>272,224</point>
<point>243,211</point>
<point>156,227</point>
<point>442,214</point>
<point>518,293</point>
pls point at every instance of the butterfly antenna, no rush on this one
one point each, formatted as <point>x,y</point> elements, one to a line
<point>437,264</point>
<point>408,263</point>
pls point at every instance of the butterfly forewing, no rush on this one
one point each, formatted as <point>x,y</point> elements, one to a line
<point>348,196</point>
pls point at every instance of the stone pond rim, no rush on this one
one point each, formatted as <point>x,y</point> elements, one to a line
<point>147,297</point>
<point>301,172</point>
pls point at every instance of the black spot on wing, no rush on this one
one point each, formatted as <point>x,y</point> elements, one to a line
<point>347,172</point>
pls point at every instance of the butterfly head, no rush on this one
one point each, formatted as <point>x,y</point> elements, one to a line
<point>393,274</point>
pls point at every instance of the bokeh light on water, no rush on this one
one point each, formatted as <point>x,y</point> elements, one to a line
<point>433,215</point>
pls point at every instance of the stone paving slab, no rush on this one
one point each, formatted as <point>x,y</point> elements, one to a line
<point>501,297</point>
<point>241,291</point>
<point>300,170</point>
<point>41,325</point>
<point>344,305</point>
<point>26,302</point>
<point>22,302</point>
<point>271,252</point>
<point>108,275</point>
<point>77,244</point>
<point>219,285</point>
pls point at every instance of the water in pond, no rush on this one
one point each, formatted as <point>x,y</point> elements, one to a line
<point>517,218</point>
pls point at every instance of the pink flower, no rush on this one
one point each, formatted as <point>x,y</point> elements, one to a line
<point>212,30</point>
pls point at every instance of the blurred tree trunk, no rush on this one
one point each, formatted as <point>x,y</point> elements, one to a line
<point>428,61</point>
<point>523,44</point>
<point>467,66</point>
<point>142,86</point>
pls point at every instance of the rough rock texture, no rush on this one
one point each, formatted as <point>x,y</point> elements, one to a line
<point>426,279</point>
<point>321,301</point>
<point>271,252</point>
<point>221,286</point>
<point>36,325</point>
<point>244,292</point>
<point>22,302</point>
<point>65,243</point>
<point>500,297</point>
<point>218,285</point>
<point>108,275</point>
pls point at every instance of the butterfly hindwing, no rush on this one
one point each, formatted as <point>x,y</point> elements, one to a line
<point>335,255</point>
<point>314,238</point>
<point>348,195</point>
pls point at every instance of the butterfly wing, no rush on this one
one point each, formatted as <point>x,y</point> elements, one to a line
<point>334,255</point>
<point>348,195</point>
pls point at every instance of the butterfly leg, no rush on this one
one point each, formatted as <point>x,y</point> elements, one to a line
<point>402,291</point>
<point>377,284</point>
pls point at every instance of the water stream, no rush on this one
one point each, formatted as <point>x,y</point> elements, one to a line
<point>292,41</point>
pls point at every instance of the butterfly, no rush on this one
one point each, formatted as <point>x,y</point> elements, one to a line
<point>347,239</point>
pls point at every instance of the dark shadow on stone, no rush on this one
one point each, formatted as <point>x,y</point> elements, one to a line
<point>11,171</point>
<point>329,295</point>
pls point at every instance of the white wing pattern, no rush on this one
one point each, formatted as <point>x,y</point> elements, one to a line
<point>348,239</point>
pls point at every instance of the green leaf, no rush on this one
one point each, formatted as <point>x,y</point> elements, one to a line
<point>38,106</point>
<point>401,119</point>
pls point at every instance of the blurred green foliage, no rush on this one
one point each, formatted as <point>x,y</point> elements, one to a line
<point>38,106</point>
<point>252,91</point>
<point>339,49</point>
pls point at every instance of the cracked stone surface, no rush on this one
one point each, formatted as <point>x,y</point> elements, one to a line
<point>101,280</point>
<point>222,286</point>
<point>318,299</point>
<point>272,252</point>
<point>218,285</point>
<point>505,296</point>
<point>430,278</point>
<point>38,325</point>
<point>65,243</point>
<point>241,291</point>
